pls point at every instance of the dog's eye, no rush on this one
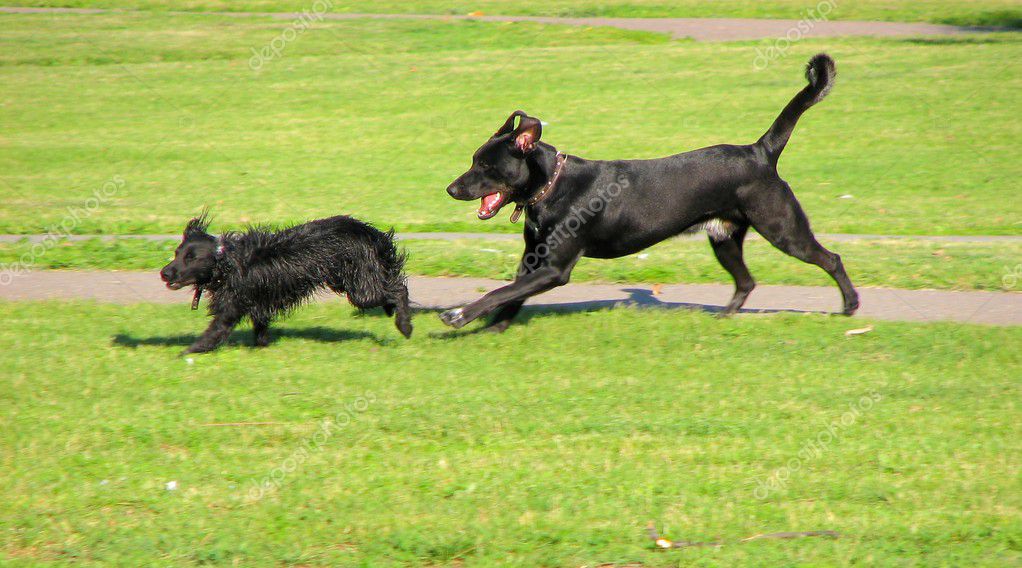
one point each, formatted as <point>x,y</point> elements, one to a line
<point>189,255</point>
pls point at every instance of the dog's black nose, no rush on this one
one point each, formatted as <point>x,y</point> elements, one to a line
<point>165,275</point>
<point>452,190</point>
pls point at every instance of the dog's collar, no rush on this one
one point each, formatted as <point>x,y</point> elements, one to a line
<point>544,191</point>
<point>558,168</point>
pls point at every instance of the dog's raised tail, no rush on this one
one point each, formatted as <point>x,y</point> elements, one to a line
<point>820,72</point>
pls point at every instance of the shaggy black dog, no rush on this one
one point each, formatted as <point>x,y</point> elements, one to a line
<point>261,273</point>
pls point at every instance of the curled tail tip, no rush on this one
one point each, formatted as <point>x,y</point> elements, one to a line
<point>821,62</point>
<point>820,72</point>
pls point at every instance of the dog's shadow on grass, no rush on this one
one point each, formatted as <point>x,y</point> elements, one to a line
<point>637,297</point>
<point>645,298</point>
<point>244,338</point>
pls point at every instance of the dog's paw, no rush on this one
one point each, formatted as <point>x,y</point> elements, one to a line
<point>454,318</point>
<point>851,306</point>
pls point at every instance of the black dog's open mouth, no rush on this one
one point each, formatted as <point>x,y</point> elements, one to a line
<point>490,205</point>
<point>175,285</point>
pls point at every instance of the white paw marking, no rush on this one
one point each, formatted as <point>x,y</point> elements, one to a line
<point>454,316</point>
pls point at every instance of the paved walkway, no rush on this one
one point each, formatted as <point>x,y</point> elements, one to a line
<point>877,303</point>
<point>702,29</point>
<point>440,236</point>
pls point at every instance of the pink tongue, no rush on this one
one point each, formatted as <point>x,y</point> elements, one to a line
<point>489,202</point>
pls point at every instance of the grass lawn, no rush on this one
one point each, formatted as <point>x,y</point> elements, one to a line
<point>376,118</point>
<point>551,445</point>
<point>965,12</point>
<point>893,264</point>
<point>342,444</point>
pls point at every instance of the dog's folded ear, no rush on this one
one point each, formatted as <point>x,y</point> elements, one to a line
<point>509,125</point>
<point>527,134</point>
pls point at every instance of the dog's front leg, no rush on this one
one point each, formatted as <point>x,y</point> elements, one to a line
<point>556,272</point>
<point>505,314</point>
<point>218,331</point>
<point>508,311</point>
<point>260,331</point>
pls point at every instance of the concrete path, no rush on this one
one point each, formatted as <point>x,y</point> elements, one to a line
<point>702,29</point>
<point>442,236</point>
<point>877,303</point>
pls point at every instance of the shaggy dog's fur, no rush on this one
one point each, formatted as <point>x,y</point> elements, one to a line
<point>261,273</point>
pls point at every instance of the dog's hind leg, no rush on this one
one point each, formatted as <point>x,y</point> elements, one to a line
<point>777,215</point>
<point>384,289</point>
<point>728,250</point>
<point>402,311</point>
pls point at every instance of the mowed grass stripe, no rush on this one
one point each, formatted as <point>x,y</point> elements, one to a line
<point>961,12</point>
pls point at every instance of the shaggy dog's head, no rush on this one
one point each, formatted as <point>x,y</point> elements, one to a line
<point>194,259</point>
<point>500,169</point>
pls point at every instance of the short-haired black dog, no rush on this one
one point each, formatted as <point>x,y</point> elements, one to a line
<point>261,273</point>
<point>608,209</point>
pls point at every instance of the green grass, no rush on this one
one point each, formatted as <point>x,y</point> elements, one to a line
<point>965,12</point>
<point>896,264</point>
<point>551,445</point>
<point>554,443</point>
<point>376,118</point>
<point>150,39</point>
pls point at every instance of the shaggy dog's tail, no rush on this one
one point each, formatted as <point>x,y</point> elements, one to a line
<point>397,284</point>
<point>820,72</point>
